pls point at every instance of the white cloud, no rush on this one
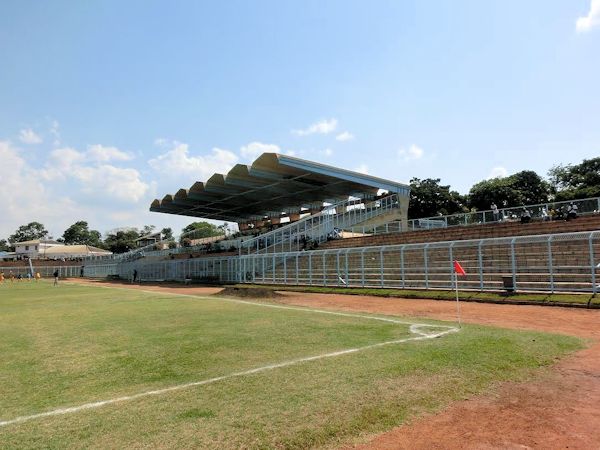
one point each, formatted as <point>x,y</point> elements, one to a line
<point>161,142</point>
<point>255,149</point>
<point>54,131</point>
<point>345,136</point>
<point>93,174</point>
<point>414,152</point>
<point>28,136</point>
<point>328,152</point>
<point>178,163</point>
<point>497,172</point>
<point>363,168</point>
<point>321,127</point>
<point>586,23</point>
<point>121,183</point>
<point>25,198</point>
<point>101,153</point>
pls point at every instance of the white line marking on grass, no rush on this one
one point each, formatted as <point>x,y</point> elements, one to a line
<point>415,328</point>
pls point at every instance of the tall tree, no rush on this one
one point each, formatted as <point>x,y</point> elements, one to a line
<point>198,230</point>
<point>5,246</point>
<point>31,231</point>
<point>79,233</point>
<point>148,229</point>
<point>522,188</point>
<point>429,198</point>
<point>121,241</point>
<point>576,181</point>
<point>166,233</point>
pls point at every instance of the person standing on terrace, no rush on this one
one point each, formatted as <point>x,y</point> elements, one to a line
<point>495,212</point>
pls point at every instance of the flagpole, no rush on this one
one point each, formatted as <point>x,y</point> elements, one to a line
<point>457,302</point>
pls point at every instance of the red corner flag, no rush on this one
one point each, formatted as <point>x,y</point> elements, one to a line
<point>458,269</point>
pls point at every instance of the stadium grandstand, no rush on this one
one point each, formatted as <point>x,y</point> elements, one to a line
<point>304,223</point>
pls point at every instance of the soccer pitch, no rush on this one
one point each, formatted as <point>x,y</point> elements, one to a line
<point>95,367</point>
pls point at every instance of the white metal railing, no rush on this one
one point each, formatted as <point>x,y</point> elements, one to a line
<point>44,271</point>
<point>320,227</point>
<point>584,206</point>
<point>567,262</point>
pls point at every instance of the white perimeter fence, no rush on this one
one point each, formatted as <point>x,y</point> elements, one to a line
<point>45,271</point>
<point>567,262</point>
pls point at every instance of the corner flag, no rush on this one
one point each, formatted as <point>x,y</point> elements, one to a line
<point>458,269</point>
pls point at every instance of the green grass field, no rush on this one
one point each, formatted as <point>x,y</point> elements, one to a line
<point>71,345</point>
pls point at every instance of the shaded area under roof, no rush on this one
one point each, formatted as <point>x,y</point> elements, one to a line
<point>272,184</point>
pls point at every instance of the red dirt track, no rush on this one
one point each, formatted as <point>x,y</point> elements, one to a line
<point>557,410</point>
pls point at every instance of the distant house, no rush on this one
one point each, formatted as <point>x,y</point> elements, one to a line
<point>34,249</point>
<point>149,239</point>
<point>75,251</point>
<point>8,256</point>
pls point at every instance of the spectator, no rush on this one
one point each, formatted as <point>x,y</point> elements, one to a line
<point>55,274</point>
<point>545,216</point>
<point>572,211</point>
<point>495,212</point>
<point>525,216</point>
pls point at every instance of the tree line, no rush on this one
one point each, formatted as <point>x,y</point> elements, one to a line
<point>117,241</point>
<point>428,198</point>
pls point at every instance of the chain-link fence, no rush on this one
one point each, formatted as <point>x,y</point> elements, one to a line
<point>567,262</point>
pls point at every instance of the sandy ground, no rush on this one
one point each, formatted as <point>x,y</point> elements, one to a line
<point>559,410</point>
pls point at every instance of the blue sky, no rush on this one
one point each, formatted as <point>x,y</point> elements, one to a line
<point>107,105</point>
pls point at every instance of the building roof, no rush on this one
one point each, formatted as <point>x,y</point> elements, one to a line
<point>37,242</point>
<point>75,250</point>
<point>272,184</point>
<point>150,236</point>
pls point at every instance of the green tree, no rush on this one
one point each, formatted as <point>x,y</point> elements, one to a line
<point>166,233</point>
<point>148,229</point>
<point>576,181</point>
<point>198,230</point>
<point>33,230</point>
<point>5,246</point>
<point>428,198</point>
<point>121,241</point>
<point>79,233</point>
<point>522,188</point>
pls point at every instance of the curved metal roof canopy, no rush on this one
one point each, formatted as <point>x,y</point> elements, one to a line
<point>273,184</point>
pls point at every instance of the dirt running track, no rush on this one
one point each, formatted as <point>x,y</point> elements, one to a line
<point>559,410</point>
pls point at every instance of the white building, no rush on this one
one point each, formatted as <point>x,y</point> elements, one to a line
<point>75,251</point>
<point>34,249</point>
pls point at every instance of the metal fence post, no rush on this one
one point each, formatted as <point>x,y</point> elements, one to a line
<point>324,272</point>
<point>362,267</point>
<point>402,267</point>
<point>337,266</point>
<point>426,266</point>
<point>480,261</point>
<point>310,269</point>
<point>346,260</point>
<point>592,260</point>
<point>550,264</point>
<point>381,266</point>
<point>451,255</point>
<point>513,262</point>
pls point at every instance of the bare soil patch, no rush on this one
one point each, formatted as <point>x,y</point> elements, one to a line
<point>249,292</point>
